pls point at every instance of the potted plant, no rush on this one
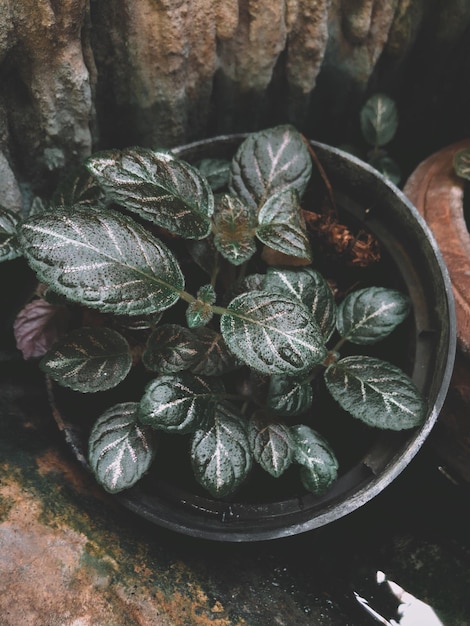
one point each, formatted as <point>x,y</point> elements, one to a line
<point>260,401</point>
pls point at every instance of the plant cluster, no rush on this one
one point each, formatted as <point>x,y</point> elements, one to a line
<point>231,357</point>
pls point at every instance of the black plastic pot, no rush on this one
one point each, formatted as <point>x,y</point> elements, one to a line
<point>425,348</point>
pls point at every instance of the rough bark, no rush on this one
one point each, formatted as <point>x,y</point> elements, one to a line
<point>77,75</point>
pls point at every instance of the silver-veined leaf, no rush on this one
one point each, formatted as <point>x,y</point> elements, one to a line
<point>379,120</point>
<point>121,449</point>
<point>214,358</point>
<point>367,315</point>
<point>235,225</point>
<point>309,287</point>
<point>88,360</point>
<point>171,348</point>
<point>220,453</point>
<point>215,171</point>
<point>289,396</point>
<point>9,247</point>
<point>199,311</point>
<point>102,259</point>
<point>272,333</point>
<point>78,188</point>
<point>376,392</point>
<point>158,187</point>
<point>282,227</point>
<point>268,162</point>
<point>319,465</point>
<point>462,163</point>
<point>272,444</point>
<point>180,403</point>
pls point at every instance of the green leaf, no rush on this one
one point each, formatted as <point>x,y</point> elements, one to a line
<point>268,162</point>
<point>234,230</point>
<point>171,348</point>
<point>214,358</point>
<point>9,247</point>
<point>379,120</point>
<point>282,227</point>
<point>199,312</point>
<point>319,464</point>
<point>215,171</point>
<point>376,392</point>
<point>120,449</point>
<point>179,403</point>
<point>88,360</point>
<point>102,259</point>
<point>272,444</point>
<point>310,288</point>
<point>158,187</point>
<point>272,333</point>
<point>387,167</point>
<point>78,188</point>
<point>220,453</point>
<point>367,315</point>
<point>462,163</point>
<point>289,396</point>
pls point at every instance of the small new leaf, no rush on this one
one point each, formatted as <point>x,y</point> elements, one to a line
<point>268,162</point>
<point>272,333</point>
<point>157,186</point>
<point>387,166</point>
<point>289,396</point>
<point>462,163</point>
<point>272,444</point>
<point>120,449</point>
<point>319,463</point>
<point>179,403</point>
<point>171,348</point>
<point>282,227</point>
<point>199,312</point>
<point>234,229</point>
<point>379,120</point>
<point>376,392</point>
<point>102,259</point>
<point>220,452</point>
<point>88,360</point>
<point>9,247</point>
<point>367,315</point>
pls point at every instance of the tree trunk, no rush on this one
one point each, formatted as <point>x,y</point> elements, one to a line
<point>78,75</point>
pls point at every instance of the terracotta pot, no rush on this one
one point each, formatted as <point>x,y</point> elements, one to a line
<point>424,347</point>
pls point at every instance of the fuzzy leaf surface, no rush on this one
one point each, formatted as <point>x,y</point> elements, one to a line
<point>102,259</point>
<point>310,288</point>
<point>9,247</point>
<point>289,396</point>
<point>272,444</point>
<point>179,403</point>
<point>157,186</point>
<point>220,453</point>
<point>120,449</point>
<point>89,360</point>
<point>171,348</point>
<point>282,227</point>
<point>379,120</point>
<point>38,326</point>
<point>319,464</point>
<point>272,333</point>
<point>462,163</point>
<point>234,229</point>
<point>214,358</point>
<point>367,315</point>
<point>268,162</point>
<point>376,392</point>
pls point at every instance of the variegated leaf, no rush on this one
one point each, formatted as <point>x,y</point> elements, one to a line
<point>220,452</point>
<point>379,120</point>
<point>157,186</point>
<point>462,163</point>
<point>120,449</point>
<point>367,315</point>
<point>199,311</point>
<point>180,403</point>
<point>272,333</point>
<point>9,247</point>
<point>102,259</point>
<point>88,360</point>
<point>78,188</point>
<point>376,392</point>
<point>282,227</point>
<point>215,171</point>
<point>309,287</point>
<point>234,229</point>
<point>319,464</point>
<point>171,348</point>
<point>268,162</point>
<point>272,444</point>
<point>289,396</point>
<point>214,357</point>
